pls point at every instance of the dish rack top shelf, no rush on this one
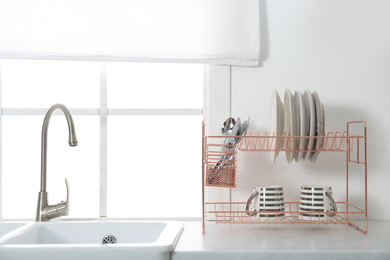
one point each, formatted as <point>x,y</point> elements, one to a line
<point>326,142</point>
<point>332,142</point>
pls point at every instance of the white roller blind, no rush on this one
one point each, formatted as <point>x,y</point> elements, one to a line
<point>195,31</point>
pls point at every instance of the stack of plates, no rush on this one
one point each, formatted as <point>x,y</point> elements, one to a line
<point>299,116</point>
<point>276,124</point>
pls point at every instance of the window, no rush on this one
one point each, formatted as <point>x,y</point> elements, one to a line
<point>139,132</point>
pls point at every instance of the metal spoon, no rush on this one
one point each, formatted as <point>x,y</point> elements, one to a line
<point>228,125</point>
<point>229,141</point>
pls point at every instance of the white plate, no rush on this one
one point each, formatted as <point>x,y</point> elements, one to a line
<point>309,104</point>
<point>276,124</point>
<point>290,125</point>
<point>303,125</point>
<point>320,127</point>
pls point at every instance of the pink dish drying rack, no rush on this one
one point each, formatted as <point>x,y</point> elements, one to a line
<point>217,172</point>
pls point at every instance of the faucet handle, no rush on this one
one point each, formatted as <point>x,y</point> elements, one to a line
<point>63,207</point>
<point>67,188</point>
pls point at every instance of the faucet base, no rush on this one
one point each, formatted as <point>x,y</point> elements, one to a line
<point>42,204</point>
<point>46,212</point>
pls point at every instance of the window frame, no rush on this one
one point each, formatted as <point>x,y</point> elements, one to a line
<point>216,106</point>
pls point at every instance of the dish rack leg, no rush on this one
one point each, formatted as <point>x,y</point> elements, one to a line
<point>203,173</point>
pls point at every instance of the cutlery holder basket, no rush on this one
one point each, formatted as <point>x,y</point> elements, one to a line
<point>221,177</point>
<point>219,165</point>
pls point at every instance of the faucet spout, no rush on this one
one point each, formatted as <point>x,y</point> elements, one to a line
<point>45,211</point>
<point>72,138</point>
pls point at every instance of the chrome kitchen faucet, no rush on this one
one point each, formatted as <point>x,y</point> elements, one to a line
<point>45,211</point>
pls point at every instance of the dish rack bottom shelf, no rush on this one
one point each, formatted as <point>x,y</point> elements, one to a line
<point>235,213</point>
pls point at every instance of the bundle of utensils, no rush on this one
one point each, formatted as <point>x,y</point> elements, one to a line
<point>233,129</point>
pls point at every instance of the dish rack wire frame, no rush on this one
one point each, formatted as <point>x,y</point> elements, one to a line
<point>234,212</point>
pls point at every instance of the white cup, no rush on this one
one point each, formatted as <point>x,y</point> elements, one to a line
<point>316,199</point>
<point>269,200</point>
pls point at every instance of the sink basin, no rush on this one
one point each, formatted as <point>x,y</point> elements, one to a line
<point>83,240</point>
<point>6,227</point>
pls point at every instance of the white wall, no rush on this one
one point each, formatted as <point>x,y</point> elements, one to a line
<point>341,48</point>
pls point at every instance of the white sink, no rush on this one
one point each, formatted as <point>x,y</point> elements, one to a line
<point>83,240</point>
<point>6,227</point>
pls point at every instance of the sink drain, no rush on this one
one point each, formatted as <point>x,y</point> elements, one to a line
<point>109,239</point>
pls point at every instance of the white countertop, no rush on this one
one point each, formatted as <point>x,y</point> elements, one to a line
<point>282,241</point>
